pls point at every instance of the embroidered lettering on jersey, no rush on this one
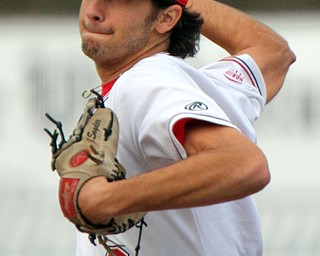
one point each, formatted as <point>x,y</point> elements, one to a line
<point>234,75</point>
<point>196,106</point>
<point>245,68</point>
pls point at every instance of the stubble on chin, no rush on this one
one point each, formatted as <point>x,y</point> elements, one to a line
<point>92,51</point>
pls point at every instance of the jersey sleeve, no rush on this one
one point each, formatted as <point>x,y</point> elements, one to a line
<point>157,108</point>
<point>165,124</point>
<point>241,78</point>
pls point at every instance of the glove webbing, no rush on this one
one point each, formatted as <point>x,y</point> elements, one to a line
<point>103,240</point>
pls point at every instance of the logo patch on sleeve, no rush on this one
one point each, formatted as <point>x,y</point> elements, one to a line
<point>196,106</point>
<point>234,75</point>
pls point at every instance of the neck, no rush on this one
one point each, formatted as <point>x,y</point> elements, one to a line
<point>108,72</point>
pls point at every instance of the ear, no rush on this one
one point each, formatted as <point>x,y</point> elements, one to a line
<point>168,18</point>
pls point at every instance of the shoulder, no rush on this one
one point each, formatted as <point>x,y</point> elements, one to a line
<point>159,72</point>
<point>160,65</point>
<point>239,73</point>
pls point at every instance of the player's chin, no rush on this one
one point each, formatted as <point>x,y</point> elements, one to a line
<point>96,54</point>
<point>91,48</point>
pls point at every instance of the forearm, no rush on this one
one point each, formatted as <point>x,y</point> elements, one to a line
<point>197,181</point>
<point>207,177</point>
<point>239,33</point>
<point>230,28</point>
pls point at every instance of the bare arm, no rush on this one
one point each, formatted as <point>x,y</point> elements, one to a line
<point>238,33</point>
<point>222,165</point>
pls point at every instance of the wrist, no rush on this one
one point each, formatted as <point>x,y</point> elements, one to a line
<point>90,201</point>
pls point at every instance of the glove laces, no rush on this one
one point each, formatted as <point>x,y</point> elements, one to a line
<point>106,242</point>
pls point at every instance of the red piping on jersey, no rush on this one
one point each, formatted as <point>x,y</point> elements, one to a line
<point>108,86</point>
<point>178,129</point>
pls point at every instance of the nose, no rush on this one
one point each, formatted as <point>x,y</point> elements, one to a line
<point>94,10</point>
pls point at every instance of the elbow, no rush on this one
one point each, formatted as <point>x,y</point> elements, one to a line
<point>292,56</point>
<point>255,175</point>
<point>264,176</point>
<point>275,71</point>
<point>260,174</point>
<point>285,54</point>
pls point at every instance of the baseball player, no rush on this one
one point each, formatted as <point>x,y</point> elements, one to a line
<point>184,137</point>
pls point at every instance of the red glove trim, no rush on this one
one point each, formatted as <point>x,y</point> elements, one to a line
<point>67,190</point>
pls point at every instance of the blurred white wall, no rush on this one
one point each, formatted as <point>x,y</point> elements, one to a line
<point>43,70</point>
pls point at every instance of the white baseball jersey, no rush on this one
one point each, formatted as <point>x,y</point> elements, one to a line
<point>152,101</point>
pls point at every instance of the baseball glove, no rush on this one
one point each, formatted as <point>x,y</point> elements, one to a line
<point>89,152</point>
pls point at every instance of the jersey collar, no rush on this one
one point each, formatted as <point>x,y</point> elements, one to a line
<point>108,86</point>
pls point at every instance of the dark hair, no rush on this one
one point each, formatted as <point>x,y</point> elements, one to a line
<point>185,36</point>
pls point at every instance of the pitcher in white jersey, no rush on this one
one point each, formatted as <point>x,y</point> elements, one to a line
<point>186,136</point>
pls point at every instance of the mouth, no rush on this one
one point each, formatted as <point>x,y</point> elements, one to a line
<point>97,30</point>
